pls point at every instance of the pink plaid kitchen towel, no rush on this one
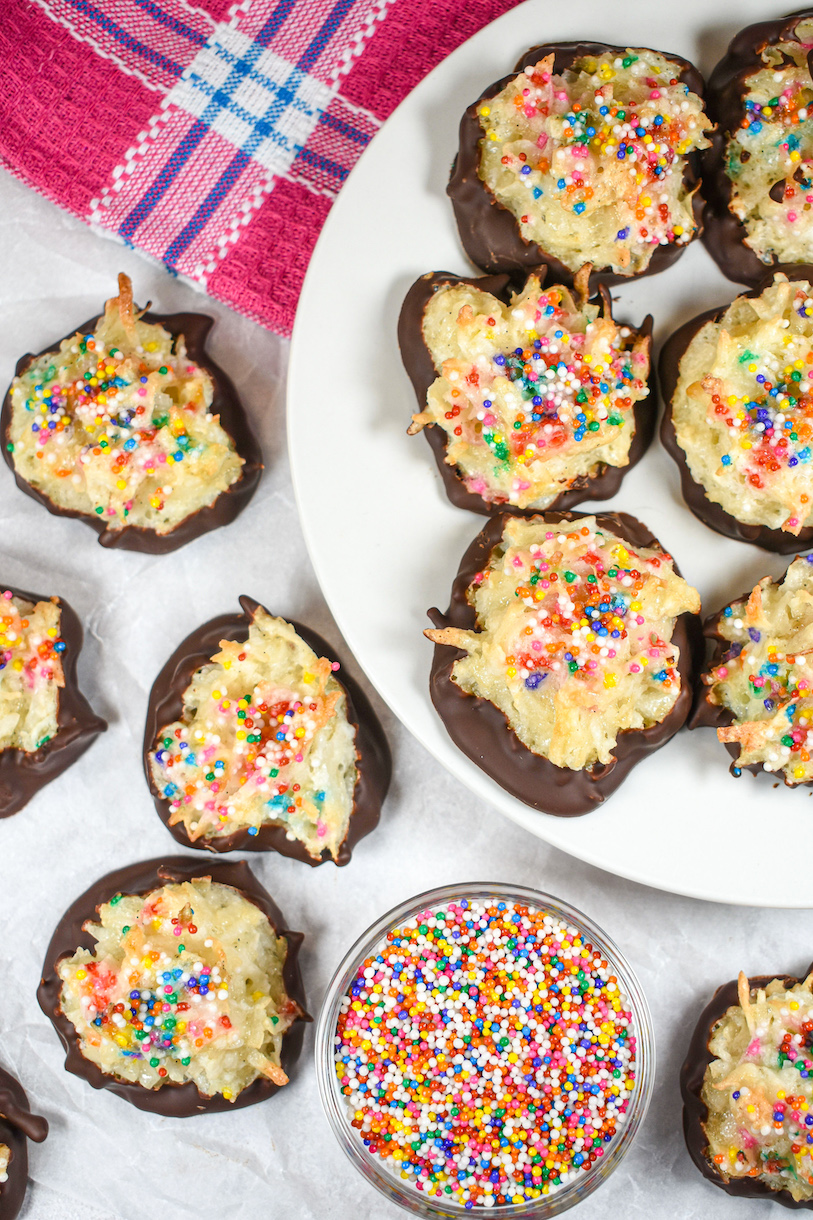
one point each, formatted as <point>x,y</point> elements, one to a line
<point>215,135</point>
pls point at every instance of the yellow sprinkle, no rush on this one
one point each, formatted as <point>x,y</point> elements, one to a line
<point>81,974</point>
<point>307,676</point>
<point>609,680</point>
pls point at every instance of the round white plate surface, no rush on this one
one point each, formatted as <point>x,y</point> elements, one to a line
<point>386,543</point>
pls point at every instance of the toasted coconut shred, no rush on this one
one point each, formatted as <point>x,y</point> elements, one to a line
<point>185,984</point>
<point>769,159</point>
<point>759,1088</point>
<point>31,674</point>
<point>766,677</point>
<point>591,160</point>
<point>532,395</point>
<point>117,423</point>
<point>743,407</point>
<point>264,739</point>
<point>5,1157</point>
<point>574,638</point>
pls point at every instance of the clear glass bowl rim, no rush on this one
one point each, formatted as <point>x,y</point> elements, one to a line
<point>372,1168</point>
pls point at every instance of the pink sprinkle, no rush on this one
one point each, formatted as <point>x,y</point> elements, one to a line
<point>635,669</point>
<point>791,217</point>
<point>321,829</point>
<point>335,666</point>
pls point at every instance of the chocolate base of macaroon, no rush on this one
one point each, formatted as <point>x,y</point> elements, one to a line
<point>714,515</point>
<point>481,730</point>
<point>695,1111</point>
<point>171,1099</point>
<point>420,366</point>
<point>22,774</point>
<point>490,233</point>
<point>225,402</point>
<point>724,234</point>
<point>17,1125</point>
<point>373,758</point>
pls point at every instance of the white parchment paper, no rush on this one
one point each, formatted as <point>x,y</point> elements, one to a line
<point>105,1160</point>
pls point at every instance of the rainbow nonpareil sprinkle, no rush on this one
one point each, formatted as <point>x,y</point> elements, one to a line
<point>486,1053</point>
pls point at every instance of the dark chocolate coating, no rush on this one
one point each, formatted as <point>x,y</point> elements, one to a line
<point>194,327</point>
<point>724,234</point>
<point>17,1124</point>
<point>373,759</point>
<point>706,714</point>
<point>170,1099</point>
<point>695,1111</point>
<point>420,366</point>
<point>490,233</point>
<point>711,514</point>
<point>23,774</point>
<point>480,729</point>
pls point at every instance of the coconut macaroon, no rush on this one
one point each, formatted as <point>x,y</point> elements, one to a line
<point>536,392</point>
<point>587,147</point>
<point>769,158</point>
<point>17,1126</point>
<point>185,984</point>
<point>31,674</point>
<point>45,721</point>
<point>739,421</point>
<point>263,740</point>
<point>759,688</point>
<point>120,424</point>
<point>758,175</point>
<point>573,637</point>
<point>750,1094</point>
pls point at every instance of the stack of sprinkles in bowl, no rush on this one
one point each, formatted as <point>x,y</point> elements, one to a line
<point>486,1053</point>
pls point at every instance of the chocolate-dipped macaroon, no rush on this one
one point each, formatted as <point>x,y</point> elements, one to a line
<point>257,740</point>
<point>757,689</point>
<point>17,1125</point>
<point>758,173</point>
<point>46,723</point>
<point>531,399</point>
<point>585,153</point>
<point>738,387</point>
<point>747,1089</point>
<point>129,425</point>
<point>175,985</point>
<point>566,655</point>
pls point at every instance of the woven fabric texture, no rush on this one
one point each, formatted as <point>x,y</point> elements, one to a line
<point>214,136</point>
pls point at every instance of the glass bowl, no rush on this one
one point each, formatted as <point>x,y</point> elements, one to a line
<point>377,1171</point>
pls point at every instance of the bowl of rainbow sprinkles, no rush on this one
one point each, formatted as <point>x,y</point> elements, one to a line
<point>485,1047</point>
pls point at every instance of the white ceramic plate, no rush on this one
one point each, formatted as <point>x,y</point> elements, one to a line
<point>386,543</point>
